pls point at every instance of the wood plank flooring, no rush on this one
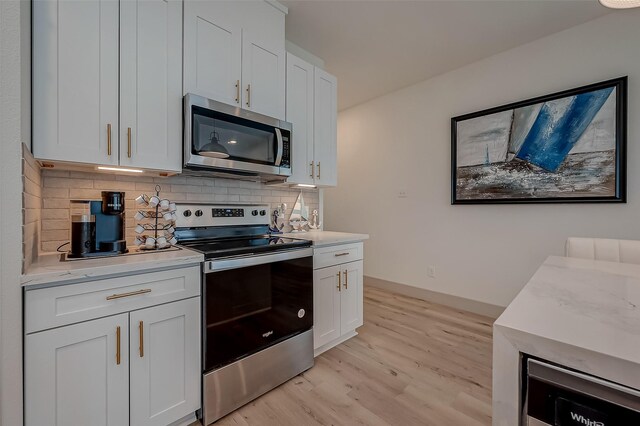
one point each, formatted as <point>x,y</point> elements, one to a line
<point>413,363</point>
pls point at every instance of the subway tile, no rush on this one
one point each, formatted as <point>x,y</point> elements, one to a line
<point>53,182</point>
<point>30,201</point>
<point>239,191</point>
<point>55,234</point>
<point>55,193</point>
<point>85,194</point>
<point>186,188</point>
<point>114,185</point>
<point>30,215</point>
<point>55,203</point>
<point>173,180</point>
<point>55,214</point>
<point>51,246</point>
<point>216,190</point>
<point>55,173</point>
<point>250,198</point>
<point>199,197</point>
<point>54,224</point>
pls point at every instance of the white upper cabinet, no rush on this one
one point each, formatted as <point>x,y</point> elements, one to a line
<point>213,50</point>
<point>312,108</point>
<point>300,114</point>
<point>107,82</point>
<point>325,130</point>
<point>75,81</point>
<point>151,84</point>
<point>234,53</point>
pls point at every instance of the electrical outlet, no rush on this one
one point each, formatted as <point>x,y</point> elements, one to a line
<point>402,194</point>
<point>431,271</point>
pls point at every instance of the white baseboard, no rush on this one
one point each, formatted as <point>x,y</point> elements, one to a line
<point>480,308</point>
<point>334,343</point>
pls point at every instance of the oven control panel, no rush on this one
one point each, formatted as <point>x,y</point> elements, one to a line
<point>203,215</point>
<point>218,212</point>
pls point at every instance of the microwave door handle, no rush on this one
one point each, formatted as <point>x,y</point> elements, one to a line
<point>280,146</point>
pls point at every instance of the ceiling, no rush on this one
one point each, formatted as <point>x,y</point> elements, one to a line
<point>376,47</point>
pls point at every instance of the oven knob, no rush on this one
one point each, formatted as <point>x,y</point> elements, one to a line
<point>187,213</point>
<point>301,313</point>
<point>198,213</point>
<point>263,212</point>
<point>254,213</point>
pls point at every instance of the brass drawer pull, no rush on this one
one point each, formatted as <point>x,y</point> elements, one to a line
<point>131,293</point>
<point>129,142</point>
<point>118,345</point>
<point>346,279</point>
<point>341,254</point>
<point>141,328</point>
<point>109,139</point>
<point>339,281</point>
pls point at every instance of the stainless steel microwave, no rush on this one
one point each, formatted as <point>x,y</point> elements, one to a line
<point>223,140</point>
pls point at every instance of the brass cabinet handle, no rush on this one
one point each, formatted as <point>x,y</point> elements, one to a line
<point>131,293</point>
<point>346,279</point>
<point>339,282</point>
<point>141,328</point>
<point>313,168</point>
<point>237,91</point>
<point>109,139</point>
<point>129,142</point>
<point>341,254</point>
<point>248,95</point>
<point>318,170</point>
<point>118,345</point>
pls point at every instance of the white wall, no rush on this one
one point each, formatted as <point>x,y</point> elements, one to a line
<point>401,142</point>
<point>14,102</point>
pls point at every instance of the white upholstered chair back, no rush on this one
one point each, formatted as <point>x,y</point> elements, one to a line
<point>625,251</point>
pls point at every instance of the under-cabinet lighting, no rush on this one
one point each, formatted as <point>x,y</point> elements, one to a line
<point>120,169</point>
<point>305,185</point>
<point>232,142</point>
<point>620,4</point>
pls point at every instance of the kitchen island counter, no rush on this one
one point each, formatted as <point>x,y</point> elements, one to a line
<point>582,314</point>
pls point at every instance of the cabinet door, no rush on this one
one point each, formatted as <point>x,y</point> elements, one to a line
<point>263,76</point>
<point>213,50</point>
<point>326,305</point>
<point>352,297</point>
<point>300,114</point>
<point>73,375</point>
<point>325,136</point>
<point>75,81</point>
<point>165,362</point>
<point>151,84</point>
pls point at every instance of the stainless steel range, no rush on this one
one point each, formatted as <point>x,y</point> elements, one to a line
<point>257,303</point>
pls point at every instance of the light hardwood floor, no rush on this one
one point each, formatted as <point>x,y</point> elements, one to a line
<point>413,363</point>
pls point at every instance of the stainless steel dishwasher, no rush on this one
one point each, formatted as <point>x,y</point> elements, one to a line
<point>558,396</point>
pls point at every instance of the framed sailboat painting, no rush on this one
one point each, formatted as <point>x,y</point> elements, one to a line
<point>562,148</point>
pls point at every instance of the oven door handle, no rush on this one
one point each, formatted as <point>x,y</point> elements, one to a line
<point>242,262</point>
<point>280,146</point>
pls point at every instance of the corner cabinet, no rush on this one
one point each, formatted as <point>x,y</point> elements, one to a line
<point>116,352</point>
<point>337,295</point>
<point>234,52</point>
<point>312,109</point>
<point>107,80</point>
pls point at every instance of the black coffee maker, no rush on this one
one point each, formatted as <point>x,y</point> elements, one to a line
<point>102,232</point>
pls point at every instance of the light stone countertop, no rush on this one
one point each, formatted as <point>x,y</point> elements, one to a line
<point>327,238</point>
<point>49,271</point>
<point>583,314</point>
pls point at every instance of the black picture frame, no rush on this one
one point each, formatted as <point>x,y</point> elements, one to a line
<point>620,195</point>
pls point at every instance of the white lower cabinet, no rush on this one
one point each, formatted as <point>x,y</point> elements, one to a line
<point>337,296</point>
<point>78,374</point>
<point>139,367</point>
<point>165,362</point>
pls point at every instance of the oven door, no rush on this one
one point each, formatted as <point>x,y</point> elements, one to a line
<point>219,136</point>
<point>251,303</point>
